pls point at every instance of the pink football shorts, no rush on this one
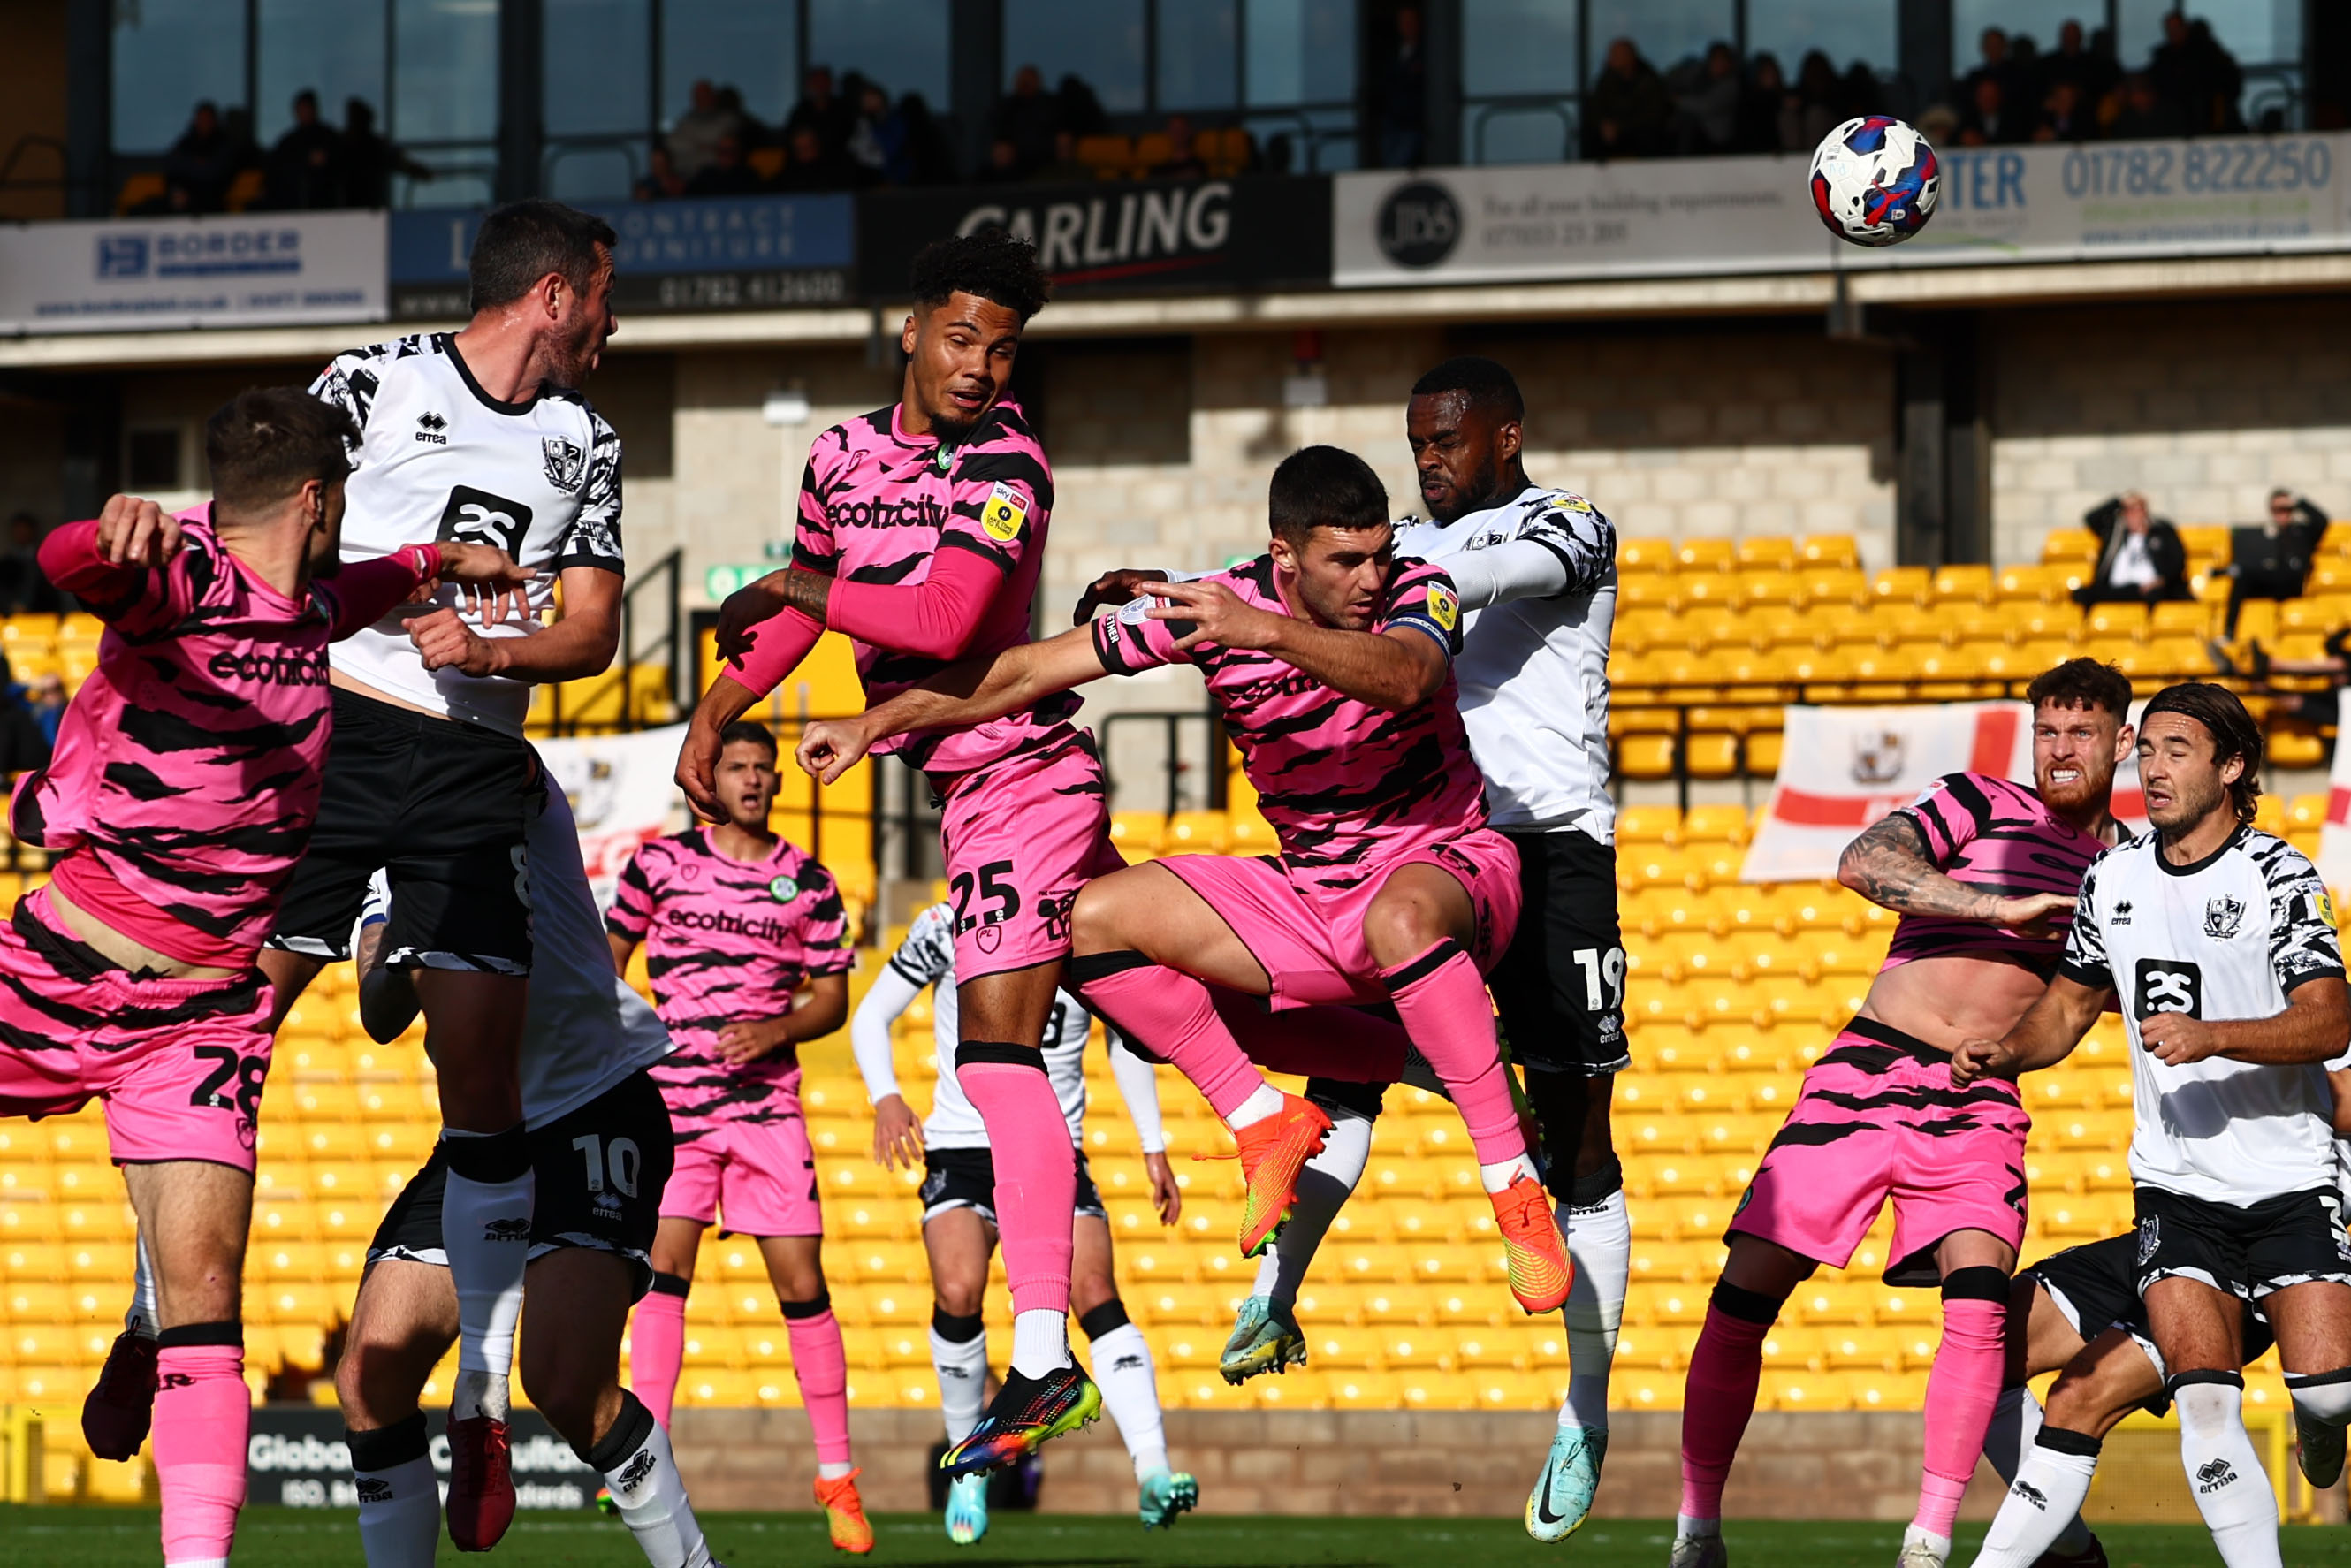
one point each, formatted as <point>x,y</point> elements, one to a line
<point>1878,1118</point>
<point>178,1064</point>
<point>1020,837</point>
<point>1310,942</point>
<point>757,1177</point>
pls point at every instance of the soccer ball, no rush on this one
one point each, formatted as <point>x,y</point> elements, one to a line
<point>1876,180</point>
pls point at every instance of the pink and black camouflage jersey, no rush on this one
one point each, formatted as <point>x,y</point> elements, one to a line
<point>185,779</point>
<point>1999,836</point>
<point>727,942</point>
<point>1346,787</point>
<point>879,505</point>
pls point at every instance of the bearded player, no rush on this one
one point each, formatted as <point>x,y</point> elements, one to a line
<point>921,536</point>
<point>184,785</point>
<point>1983,872</point>
<point>735,922</point>
<point>1330,662</point>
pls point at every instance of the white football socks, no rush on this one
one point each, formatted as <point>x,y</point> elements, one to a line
<point>1041,1341</point>
<point>962,1368</point>
<point>486,1230</point>
<point>2044,1502</point>
<point>1130,1389</point>
<point>2225,1475</point>
<point>1600,1244</point>
<point>2008,1445</point>
<point>400,1514</point>
<point>1324,1185</point>
<point>1264,1101</point>
<point>640,1474</point>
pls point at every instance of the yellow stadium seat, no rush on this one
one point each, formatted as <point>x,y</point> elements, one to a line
<point>1705,555</point>
<point>1968,584</point>
<point>1643,556</point>
<point>1196,833</point>
<point>1649,824</point>
<point>1902,585</point>
<point>1137,834</point>
<point>2069,544</point>
<point>2306,811</point>
<point>1645,757</point>
<point>1829,549</point>
<point>1712,756</point>
<point>2296,748</point>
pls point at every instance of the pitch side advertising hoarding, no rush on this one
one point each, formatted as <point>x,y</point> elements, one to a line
<point>254,269</point>
<point>2090,201</point>
<point>719,252</point>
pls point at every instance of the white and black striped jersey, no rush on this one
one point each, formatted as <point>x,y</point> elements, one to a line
<point>1537,578</point>
<point>2230,937</point>
<point>439,458</point>
<point>926,958</point>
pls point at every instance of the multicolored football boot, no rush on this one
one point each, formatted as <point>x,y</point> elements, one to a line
<point>1027,1414</point>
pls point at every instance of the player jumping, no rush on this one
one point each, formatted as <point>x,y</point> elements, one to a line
<point>476,434</point>
<point>600,1155</point>
<point>960,1217</point>
<point>1330,663</point>
<point>922,535</point>
<point>1980,871</point>
<point>184,783</point>
<point>734,921</point>
<point>2218,942</point>
<point>1536,571</point>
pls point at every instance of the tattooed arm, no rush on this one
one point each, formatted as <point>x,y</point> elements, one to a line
<point>1889,866</point>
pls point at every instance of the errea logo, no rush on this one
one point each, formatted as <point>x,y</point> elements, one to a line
<point>432,428</point>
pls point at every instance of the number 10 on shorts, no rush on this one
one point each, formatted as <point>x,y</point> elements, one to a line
<point>619,1159</point>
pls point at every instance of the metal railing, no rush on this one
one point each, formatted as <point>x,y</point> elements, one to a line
<point>616,697</point>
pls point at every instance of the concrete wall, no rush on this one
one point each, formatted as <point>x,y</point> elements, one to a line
<point>2205,407</point>
<point>1850,1466</point>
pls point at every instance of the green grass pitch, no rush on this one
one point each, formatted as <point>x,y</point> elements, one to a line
<point>290,1538</point>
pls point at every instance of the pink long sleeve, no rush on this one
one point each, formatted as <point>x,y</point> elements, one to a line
<point>365,591</point>
<point>70,560</point>
<point>934,619</point>
<point>777,646</point>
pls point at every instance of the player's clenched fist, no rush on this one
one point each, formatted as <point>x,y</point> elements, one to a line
<point>2177,1038</point>
<point>1974,1058</point>
<point>133,532</point>
<point>447,642</point>
<point>830,747</point>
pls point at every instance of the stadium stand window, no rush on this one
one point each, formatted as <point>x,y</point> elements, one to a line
<point>168,53</point>
<point>1100,42</point>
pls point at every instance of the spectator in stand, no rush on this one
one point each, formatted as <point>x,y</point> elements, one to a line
<point>2063,117</point>
<point>1403,95</point>
<point>693,142</point>
<point>877,140</point>
<point>1989,121</point>
<point>660,182</point>
<point>24,588</point>
<point>2272,560</point>
<point>1862,92</point>
<point>369,161</point>
<point>2145,114</point>
<point>1759,106</point>
<point>1080,109</point>
<point>46,697</point>
<point>929,158</point>
<point>2090,72</point>
<point>305,172</point>
<point>1183,160</point>
<point>822,110</point>
<point>1003,166</point>
<point>1816,108</point>
<point>2141,560</point>
<point>1997,63</point>
<point>1026,118</point>
<point>2198,77</point>
<point>727,173</point>
<point>1706,104</point>
<point>201,165</point>
<point>1625,114</point>
<point>1066,165</point>
<point>810,166</point>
